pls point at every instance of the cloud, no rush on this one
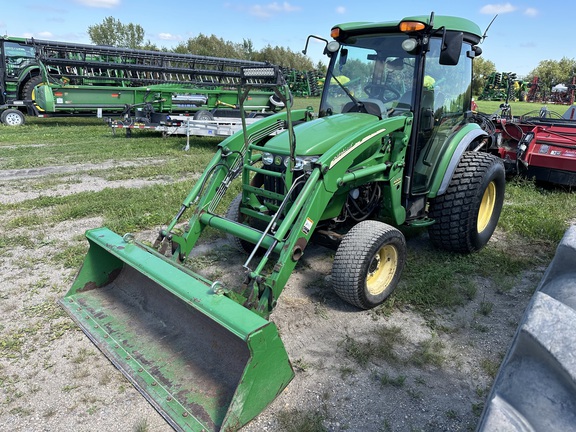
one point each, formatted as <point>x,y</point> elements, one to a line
<point>45,34</point>
<point>271,9</point>
<point>108,4</point>
<point>491,9</point>
<point>531,12</point>
<point>341,10</point>
<point>169,37</point>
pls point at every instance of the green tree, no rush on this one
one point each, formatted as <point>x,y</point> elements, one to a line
<point>481,71</point>
<point>112,32</point>
<point>247,49</point>
<point>284,57</point>
<point>213,46</point>
<point>552,72</point>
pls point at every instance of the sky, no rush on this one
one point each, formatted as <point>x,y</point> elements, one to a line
<point>524,33</point>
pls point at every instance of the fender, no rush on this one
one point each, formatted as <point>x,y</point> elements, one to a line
<point>460,142</point>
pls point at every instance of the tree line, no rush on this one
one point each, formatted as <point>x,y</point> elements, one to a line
<point>115,33</point>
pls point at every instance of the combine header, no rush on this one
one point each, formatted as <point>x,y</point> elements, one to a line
<point>49,78</point>
<point>385,146</point>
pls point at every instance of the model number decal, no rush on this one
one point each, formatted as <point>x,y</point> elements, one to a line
<point>346,152</point>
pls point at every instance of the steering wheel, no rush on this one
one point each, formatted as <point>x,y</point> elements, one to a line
<point>382,91</point>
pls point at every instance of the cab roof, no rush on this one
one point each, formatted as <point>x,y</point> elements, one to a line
<point>471,30</point>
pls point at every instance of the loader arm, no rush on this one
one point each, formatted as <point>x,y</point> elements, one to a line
<point>293,223</point>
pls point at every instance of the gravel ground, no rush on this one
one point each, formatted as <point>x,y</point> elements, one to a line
<point>52,378</point>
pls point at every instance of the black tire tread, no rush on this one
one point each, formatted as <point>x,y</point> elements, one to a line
<point>453,210</point>
<point>9,111</point>
<point>28,88</point>
<point>233,214</point>
<point>347,278</point>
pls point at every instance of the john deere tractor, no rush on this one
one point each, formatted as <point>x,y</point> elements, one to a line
<point>391,145</point>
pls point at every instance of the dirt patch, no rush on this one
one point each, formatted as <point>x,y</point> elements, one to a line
<point>425,371</point>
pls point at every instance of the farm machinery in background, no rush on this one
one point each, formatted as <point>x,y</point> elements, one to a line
<point>224,118</point>
<point>388,148</point>
<point>502,86</point>
<point>49,78</point>
<point>303,83</point>
<point>539,145</point>
<point>560,94</point>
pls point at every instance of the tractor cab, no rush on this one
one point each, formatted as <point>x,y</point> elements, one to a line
<point>419,68</point>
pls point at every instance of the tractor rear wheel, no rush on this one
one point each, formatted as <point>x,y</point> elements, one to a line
<point>467,214</point>
<point>368,263</point>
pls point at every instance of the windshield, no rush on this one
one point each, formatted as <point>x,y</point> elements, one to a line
<point>18,57</point>
<point>371,68</point>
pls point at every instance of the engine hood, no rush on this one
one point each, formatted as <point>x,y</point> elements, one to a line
<point>317,136</point>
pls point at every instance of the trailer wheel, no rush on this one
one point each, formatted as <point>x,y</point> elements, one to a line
<point>203,115</point>
<point>368,263</point>
<point>12,117</point>
<point>467,214</point>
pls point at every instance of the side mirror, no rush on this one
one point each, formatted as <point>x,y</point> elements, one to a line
<point>451,48</point>
<point>343,57</point>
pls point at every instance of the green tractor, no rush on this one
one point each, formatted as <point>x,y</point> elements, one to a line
<point>393,144</point>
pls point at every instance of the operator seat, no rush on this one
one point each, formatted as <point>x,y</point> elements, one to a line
<point>403,105</point>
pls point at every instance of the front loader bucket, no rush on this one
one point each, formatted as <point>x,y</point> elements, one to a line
<point>202,360</point>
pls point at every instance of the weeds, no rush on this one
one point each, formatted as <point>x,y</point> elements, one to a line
<point>346,371</point>
<point>300,365</point>
<point>71,257</point>
<point>490,367</point>
<point>82,355</point>
<point>428,352</point>
<point>451,414</point>
<point>382,348</point>
<point>141,426</point>
<point>486,308</point>
<point>301,421</point>
<point>387,380</point>
<point>477,408</point>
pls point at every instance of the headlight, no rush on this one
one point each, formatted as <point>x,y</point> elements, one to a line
<point>301,163</point>
<point>267,158</point>
<point>305,163</point>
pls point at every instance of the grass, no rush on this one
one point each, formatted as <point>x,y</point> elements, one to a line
<point>383,347</point>
<point>537,213</point>
<point>518,108</point>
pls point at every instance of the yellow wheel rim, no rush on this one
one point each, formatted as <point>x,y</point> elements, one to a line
<point>486,207</point>
<point>382,270</point>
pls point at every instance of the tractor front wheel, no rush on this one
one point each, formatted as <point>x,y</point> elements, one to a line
<point>467,214</point>
<point>234,214</point>
<point>368,263</point>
